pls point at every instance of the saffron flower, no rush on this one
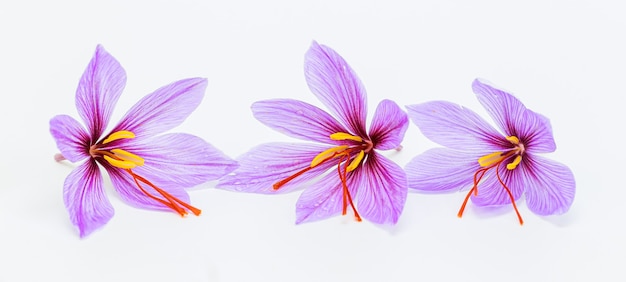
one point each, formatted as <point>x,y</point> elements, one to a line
<point>499,166</point>
<point>147,170</point>
<point>344,168</point>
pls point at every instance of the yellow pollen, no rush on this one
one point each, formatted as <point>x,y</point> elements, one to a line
<point>128,156</point>
<point>514,140</point>
<point>345,136</point>
<point>123,159</point>
<point>355,163</point>
<point>490,159</point>
<point>120,163</point>
<point>327,154</point>
<point>122,134</point>
<point>514,163</point>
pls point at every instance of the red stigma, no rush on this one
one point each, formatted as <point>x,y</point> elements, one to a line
<point>478,175</point>
<point>168,200</point>
<point>342,172</point>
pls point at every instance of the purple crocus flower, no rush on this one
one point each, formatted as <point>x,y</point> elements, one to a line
<point>148,170</point>
<point>343,168</point>
<point>498,166</point>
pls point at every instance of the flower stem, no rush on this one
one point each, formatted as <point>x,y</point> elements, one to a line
<point>58,157</point>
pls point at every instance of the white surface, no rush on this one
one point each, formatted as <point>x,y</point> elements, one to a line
<point>562,59</point>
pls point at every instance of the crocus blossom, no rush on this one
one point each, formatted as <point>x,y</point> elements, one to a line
<point>499,166</point>
<point>148,169</point>
<point>342,168</point>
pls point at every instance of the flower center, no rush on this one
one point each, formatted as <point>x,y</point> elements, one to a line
<point>127,161</point>
<point>494,160</point>
<point>349,156</point>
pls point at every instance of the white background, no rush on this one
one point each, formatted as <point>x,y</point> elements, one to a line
<point>564,59</point>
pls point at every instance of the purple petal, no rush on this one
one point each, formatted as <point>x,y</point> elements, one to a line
<point>455,127</point>
<point>267,164</point>
<point>492,193</point>
<point>550,186</point>
<point>442,170</point>
<point>503,107</point>
<point>334,83</point>
<point>388,125</point>
<point>511,115</point>
<point>323,199</point>
<point>297,119</point>
<point>98,91</point>
<point>535,132</point>
<point>381,187</point>
<point>70,136</point>
<point>180,160</point>
<point>131,194</point>
<point>164,108</point>
<point>85,200</point>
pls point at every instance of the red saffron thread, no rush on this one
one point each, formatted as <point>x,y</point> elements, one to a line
<point>172,202</point>
<point>343,176</point>
<point>478,175</point>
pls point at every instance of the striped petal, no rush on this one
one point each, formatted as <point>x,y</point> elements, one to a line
<point>297,119</point>
<point>323,199</point>
<point>85,200</point>
<point>455,127</point>
<point>492,193</point>
<point>442,170</point>
<point>514,119</point>
<point>163,109</point>
<point>178,160</point>
<point>131,194</point>
<point>98,91</point>
<point>388,125</point>
<point>336,85</point>
<point>263,166</point>
<point>550,186</point>
<point>70,136</point>
<point>381,188</point>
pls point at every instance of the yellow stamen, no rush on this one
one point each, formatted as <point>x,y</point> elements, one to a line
<point>490,159</point>
<point>514,163</point>
<point>120,163</point>
<point>327,154</point>
<point>128,156</point>
<point>355,163</point>
<point>345,136</point>
<point>514,140</point>
<point>122,134</point>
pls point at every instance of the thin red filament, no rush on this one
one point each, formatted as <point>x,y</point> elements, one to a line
<point>343,176</point>
<point>170,201</point>
<point>478,175</point>
<point>279,184</point>
<point>519,217</point>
